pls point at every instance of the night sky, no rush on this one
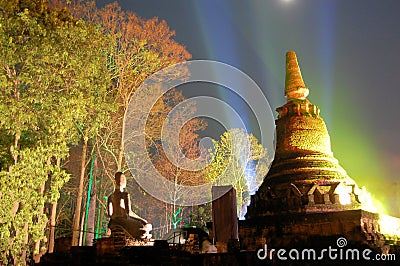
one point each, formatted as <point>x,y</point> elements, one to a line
<point>348,54</point>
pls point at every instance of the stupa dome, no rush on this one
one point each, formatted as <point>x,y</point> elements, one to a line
<point>304,176</point>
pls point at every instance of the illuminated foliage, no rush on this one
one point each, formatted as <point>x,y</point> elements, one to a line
<point>242,163</point>
<point>49,84</point>
<point>170,167</point>
<point>137,48</point>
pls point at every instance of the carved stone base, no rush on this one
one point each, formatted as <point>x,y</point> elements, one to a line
<point>312,230</point>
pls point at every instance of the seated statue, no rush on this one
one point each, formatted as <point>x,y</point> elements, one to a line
<point>119,210</point>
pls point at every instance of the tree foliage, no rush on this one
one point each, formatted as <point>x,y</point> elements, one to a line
<point>50,84</point>
<point>238,159</point>
<point>171,151</point>
<point>138,48</point>
<point>65,83</point>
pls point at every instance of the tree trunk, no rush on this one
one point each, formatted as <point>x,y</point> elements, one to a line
<point>80,239</point>
<point>77,213</point>
<point>92,207</point>
<point>15,147</point>
<point>167,220</point>
<point>121,147</point>
<point>14,155</point>
<point>53,215</point>
<point>52,226</point>
<point>26,240</point>
<point>91,219</point>
<point>36,250</point>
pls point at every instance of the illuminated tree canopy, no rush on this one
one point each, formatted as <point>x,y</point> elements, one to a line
<point>66,81</point>
<point>51,83</point>
<point>241,161</point>
<point>68,72</point>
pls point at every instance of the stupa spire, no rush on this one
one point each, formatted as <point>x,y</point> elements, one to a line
<point>294,84</point>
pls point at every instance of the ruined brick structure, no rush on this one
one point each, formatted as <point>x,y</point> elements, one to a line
<point>306,196</point>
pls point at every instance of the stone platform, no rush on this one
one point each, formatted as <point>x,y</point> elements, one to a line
<point>292,229</point>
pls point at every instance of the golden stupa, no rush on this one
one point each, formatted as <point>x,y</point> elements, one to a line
<point>307,198</point>
<point>304,176</point>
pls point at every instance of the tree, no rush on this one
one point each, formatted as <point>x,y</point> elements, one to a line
<point>238,160</point>
<point>185,147</point>
<point>137,49</point>
<point>49,74</point>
